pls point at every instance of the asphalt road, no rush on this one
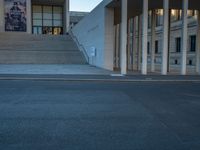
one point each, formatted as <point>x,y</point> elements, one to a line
<point>60,115</point>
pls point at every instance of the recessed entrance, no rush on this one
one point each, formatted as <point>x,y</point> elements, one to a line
<point>47,19</point>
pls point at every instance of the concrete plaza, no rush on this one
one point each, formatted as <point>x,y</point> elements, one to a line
<point>60,115</point>
<point>52,69</point>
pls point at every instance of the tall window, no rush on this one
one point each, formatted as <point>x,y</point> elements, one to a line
<point>176,14</point>
<point>159,17</point>
<point>156,46</point>
<point>193,43</point>
<point>47,19</point>
<point>149,19</point>
<point>178,44</point>
<point>192,13</point>
<point>148,48</point>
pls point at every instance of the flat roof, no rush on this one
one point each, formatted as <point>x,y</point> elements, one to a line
<point>135,6</point>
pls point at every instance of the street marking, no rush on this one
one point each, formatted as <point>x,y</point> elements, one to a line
<point>192,95</point>
<point>117,75</point>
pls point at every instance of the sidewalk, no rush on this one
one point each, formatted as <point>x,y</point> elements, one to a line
<point>82,73</point>
<point>52,69</point>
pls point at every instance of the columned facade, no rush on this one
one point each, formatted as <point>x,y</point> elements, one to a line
<point>159,38</point>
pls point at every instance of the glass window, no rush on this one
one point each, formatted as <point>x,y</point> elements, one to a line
<point>45,18</point>
<point>156,46</point>
<point>57,10</point>
<point>37,9</point>
<point>47,23</point>
<point>37,22</point>
<point>57,23</point>
<point>148,48</point>
<point>47,12</point>
<point>159,17</point>
<point>37,15</point>
<point>57,16</point>
<point>149,19</point>
<point>178,44</point>
<point>176,14</point>
<point>193,43</point>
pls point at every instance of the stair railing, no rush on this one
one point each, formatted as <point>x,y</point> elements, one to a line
<point>80,46</point>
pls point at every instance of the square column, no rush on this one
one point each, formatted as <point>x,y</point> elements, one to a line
<point>153,36</point>
<point>2,25</point>
<point>29,17</point>
<point>165,37</point>
<point>198,45</point>
<point>184,37</point>
<point>134,45</point>
<point>66,17</point>
<point>139,45</point>
<point>144,36</point>
<point>109,36</point>
<point>123,37</point>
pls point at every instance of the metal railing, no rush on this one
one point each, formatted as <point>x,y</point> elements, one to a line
<point>80,46</point>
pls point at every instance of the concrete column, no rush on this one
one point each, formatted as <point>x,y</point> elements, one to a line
<point>165,37</point>
<point>123,38</point>
<point>198,45</point>
<point>109,39</point>
<point>2,25</point>
<point>66,17</point>
<point>139,42</point>
<point>184,37</point>
<point>144,36</point>
<point>134,45</point>
<point>153,36</point>
<point>129,46</point>
<point>29,16</point>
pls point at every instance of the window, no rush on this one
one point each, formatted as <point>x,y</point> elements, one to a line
<point>178,44</point>
<point>159,17</point>
<point>192,13</point>
<point>176,14</point>
<point>48,18</point>
<point>149,19</point>
<point>148,48</point>
<point>156,46</point>
<point>193,43</point>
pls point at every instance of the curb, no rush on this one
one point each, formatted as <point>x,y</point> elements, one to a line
<point>98,80</point>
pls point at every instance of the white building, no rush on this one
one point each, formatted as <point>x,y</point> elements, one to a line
<point>143,35</point>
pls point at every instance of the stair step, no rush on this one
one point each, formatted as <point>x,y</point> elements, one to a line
<point>23,48</point>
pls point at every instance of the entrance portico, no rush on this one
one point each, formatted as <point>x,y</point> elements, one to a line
<point>157,39</point>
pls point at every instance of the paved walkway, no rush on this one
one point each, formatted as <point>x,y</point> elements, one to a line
<point>53,69</point>
<point>82,73</point>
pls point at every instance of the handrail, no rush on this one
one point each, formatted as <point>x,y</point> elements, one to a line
<point>80,46</point>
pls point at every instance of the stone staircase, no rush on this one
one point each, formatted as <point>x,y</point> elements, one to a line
<point>23,48</point>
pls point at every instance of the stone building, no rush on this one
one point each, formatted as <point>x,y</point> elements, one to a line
<point>143,35</point>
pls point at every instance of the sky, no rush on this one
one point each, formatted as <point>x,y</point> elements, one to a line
<point>83,5</point>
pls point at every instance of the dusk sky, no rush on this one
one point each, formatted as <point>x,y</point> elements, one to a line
<point>83,5</point>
